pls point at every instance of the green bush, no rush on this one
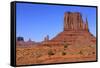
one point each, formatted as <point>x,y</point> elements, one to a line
<point>50,53</point>
<point>63,53</point>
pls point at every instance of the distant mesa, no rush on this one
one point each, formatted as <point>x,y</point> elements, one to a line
<point>20,39</point>
<point>21,42</point>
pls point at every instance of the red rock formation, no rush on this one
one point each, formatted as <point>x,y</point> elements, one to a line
<point>73,21</point>
<point>86,25</point>
<point>75,43</point>
<point>46,38</point>
<point>75,31</point>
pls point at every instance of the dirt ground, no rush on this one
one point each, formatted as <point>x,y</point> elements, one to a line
<point>54,54</point>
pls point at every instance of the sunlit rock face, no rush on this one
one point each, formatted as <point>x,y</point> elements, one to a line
<point>75,32</point>
<point>74,21</point>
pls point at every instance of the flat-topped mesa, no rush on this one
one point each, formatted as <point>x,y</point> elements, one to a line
<point>74,21</point>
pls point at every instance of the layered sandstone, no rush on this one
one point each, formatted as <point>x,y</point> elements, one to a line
<point>74,21</point>
<point>75,32</point>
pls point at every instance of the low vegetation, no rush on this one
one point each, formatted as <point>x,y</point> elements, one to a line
<point>63,53</point>
<point>80,52</point>
<point>50,52</point>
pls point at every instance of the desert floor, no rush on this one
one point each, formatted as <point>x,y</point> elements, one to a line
<point>54,54</point>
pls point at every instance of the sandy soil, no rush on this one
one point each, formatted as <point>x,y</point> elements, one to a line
<point>53,54</point>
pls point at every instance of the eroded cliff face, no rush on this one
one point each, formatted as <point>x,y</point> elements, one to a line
<point>74,21</point>
<point>75,32</point>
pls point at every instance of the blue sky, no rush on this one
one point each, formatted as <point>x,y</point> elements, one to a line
<point>35,21</point>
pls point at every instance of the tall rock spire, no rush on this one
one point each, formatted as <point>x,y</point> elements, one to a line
<point>46,38</point>
<point>81,22</point>
<point>65,21</point>
<point>86,25</point>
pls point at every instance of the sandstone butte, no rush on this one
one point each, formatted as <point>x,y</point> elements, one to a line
<point>74,44</point>
<point>75,31</point>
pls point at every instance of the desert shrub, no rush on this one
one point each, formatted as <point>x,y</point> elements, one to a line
<point>50,52</point>
<point>93,52</point>
<point>80,52</point>
<point>63,53</point>
<point>65,46</point>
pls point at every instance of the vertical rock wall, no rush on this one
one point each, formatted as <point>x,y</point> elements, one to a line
<point>74,21</point>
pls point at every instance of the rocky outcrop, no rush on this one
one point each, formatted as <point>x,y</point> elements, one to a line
<point>74,21</point>
<point>75,32</point>
<point>46,38</point>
